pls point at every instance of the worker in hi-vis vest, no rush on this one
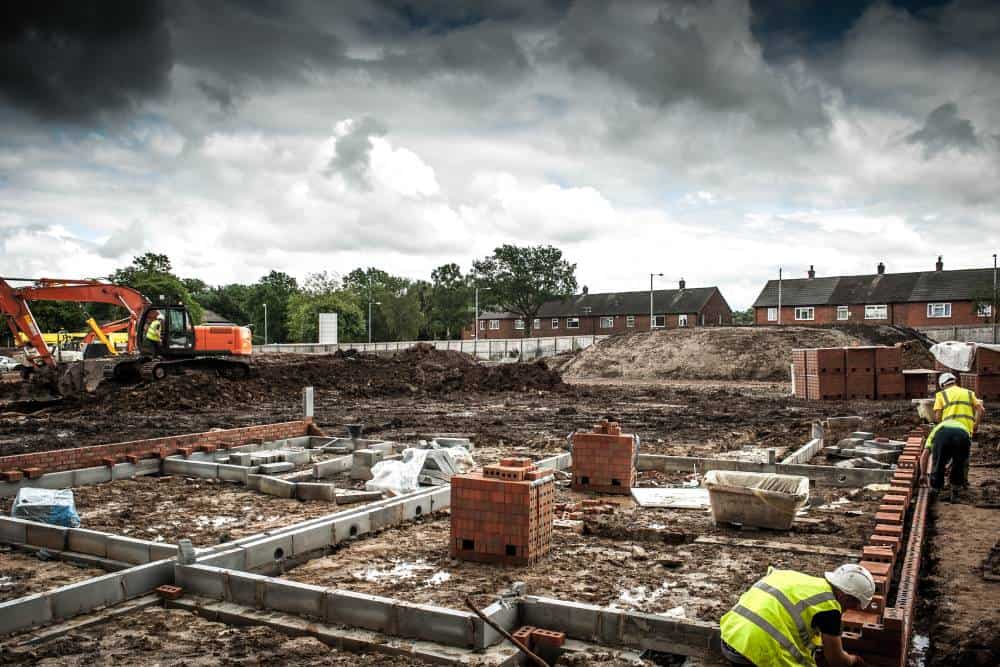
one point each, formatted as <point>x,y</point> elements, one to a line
<point>787,616</point>
<point>958,412</point>
<point>154,332</point>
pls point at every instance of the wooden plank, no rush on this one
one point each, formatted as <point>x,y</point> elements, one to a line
<point>790,547</point>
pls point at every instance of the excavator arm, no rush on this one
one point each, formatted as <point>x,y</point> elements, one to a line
<point>14,307</point>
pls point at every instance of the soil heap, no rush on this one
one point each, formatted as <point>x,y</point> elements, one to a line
<point>721,353</point>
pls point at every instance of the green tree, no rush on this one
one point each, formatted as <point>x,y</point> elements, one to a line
<point>275,289</point>
<point>743,317</point>
<point>521,279</point>
<point>53,316</point>
<point>304,309</point>
<point>377,286</point>
<point>153,276</point>
<point>230,301</point>
<point>402,313</point>
<point>449,301</point>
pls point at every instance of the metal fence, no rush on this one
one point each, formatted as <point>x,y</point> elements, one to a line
<point>976,334</point>
<point>506,349</point>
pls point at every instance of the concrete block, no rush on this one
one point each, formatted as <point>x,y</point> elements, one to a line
<point>90,542</point>
<point>240,459</point>
<point>200,579</point>
<point>253,481</point>
<point>384,517</point>
<point>362,462</point>
<point>173,465</point>
<point>294,598</point>
<point>332,467</point>
<point>265,552</point>
<point>273,486</point>
<point>311,538</point>
<point>161,550</point>
<point>504,615</point>
<point>75,599</point>
<point>276,468</point>
<point>46,536</point>
<point>232,559</point>
<point>88,476</point>
<point>235,473</point>
<point>349,527</point>
<point>122,471</point>
<point>128,550</point>
<point>453,442</point>
<point>298,457</point>
<point>23,613</point>
<point>315,491</point>
<point>142,579</point>
<point>436,624</point>
<point>204,469</point>
<point>13,530</point>
<point>54,480</point>
<point>245,588</point>
<point>360,610</point>
<point>9,489</point>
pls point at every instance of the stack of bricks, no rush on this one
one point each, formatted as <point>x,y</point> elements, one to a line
<point>502,514</point>
<point>836,373</point>
<point>875,632</point>
<point>532,638</point>
<point>604,459</point>
<point>985,380</point>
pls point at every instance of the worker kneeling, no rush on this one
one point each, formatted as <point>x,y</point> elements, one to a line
<point>787,616</point>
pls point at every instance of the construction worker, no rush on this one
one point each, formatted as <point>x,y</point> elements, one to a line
<point>154,332</point>
<point>787,616</point>
<point>958,413</point>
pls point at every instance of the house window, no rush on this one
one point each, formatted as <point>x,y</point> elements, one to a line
<point>877,312</point>
<point>555,322</point>
<point>659,321</point>
<point>607,322</point>
<point>843,312</point>
<point>984,310</point>
<point>495,325</point>
<point>630,321</point>
<point>519,325</point>
<point>682,320</point>
<point>772,314</point>
<point>572,322</point>
<point>482,325</point>
<point>805,313</point>
<point>536,324</point>
<point>939,310</point>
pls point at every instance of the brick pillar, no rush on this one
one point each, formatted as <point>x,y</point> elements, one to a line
<point>604,459</point>
<point>502,514</point>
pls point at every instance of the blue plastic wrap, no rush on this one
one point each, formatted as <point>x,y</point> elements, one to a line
<point>47,506</point>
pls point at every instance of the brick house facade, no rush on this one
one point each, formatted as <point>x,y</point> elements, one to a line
<point>610,313</point>
<point>918,299</point>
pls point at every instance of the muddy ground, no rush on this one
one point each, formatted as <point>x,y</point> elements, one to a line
<point>518,416</point>
<point>25,573</point>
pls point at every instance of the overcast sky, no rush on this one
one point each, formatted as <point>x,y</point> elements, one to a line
<point>713,141</point>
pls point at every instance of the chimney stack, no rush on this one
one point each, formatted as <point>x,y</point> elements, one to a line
<point>881,268</point>
<point>682,283</point>
<point>586,290</point>
<point>940,264</point>
<point>812,272</point>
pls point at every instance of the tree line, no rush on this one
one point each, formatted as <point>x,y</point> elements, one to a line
<point>515,279</point>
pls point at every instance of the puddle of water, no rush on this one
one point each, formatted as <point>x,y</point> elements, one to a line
<point>438,578</point>
<point>399,571</point>
<point>214,521</point>
<point>918,650</point>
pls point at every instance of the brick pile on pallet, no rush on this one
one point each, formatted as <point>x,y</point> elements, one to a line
<point>834,373</point>
<point>985,380</point>
<point>604,459</point>
<point>881,633</point>
<point>503,513</point>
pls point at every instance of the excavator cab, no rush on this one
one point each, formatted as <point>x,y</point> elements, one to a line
<point>177,337</point>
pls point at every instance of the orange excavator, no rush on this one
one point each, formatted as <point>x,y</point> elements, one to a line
<point>225,350</point>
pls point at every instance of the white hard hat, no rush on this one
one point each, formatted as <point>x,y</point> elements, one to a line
<point>854,580</point>
<point>945,378</point>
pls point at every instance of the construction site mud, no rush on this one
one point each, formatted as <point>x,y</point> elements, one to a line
<point>633,558</point>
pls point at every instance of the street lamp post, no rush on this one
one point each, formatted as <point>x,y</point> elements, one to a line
<point>994,305</point>
<point>265,324</point>
<point>371,302</point>
<point>659,275</point>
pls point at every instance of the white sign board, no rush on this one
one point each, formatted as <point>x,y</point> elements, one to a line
<point>328,328</point>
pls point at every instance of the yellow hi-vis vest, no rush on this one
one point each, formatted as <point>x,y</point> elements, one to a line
<point>947,423</point>
<point>153,331</point>
<point>959,404</point>
<point>772,622</point>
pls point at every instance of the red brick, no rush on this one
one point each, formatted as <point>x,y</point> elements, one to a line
<point>33,473</point>
<point>548,637</point>
<point>168,592</point>
<point>12,475</point>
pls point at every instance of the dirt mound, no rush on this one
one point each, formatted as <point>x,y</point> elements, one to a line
<point>418,370</point>
<point>723,353</point>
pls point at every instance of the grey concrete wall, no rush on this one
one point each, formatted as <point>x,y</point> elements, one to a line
<point>82,477</point>
<point>805,453</point>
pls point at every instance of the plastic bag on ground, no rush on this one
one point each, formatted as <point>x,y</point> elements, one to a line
<point>47,506</point>
<point>398,477</point>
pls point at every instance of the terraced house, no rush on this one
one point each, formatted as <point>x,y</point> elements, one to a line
<point>916,299</point>
<point>610,313</point>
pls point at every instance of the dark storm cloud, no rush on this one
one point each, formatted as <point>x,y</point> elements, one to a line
<point>945,129</point>
<point>68,59</point>
<point>353,152</point>
<point>221,95</point>
<point>440,16</point>
<point>487,50</point>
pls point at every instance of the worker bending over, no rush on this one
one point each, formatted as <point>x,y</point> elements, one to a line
<point>958,413</point>
<point>787,616</point>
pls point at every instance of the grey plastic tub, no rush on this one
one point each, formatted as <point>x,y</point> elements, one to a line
<point>764,500</point>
